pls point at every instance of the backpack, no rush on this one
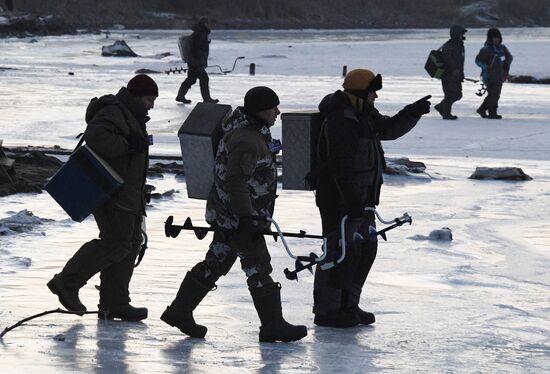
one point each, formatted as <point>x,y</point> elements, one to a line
<point>184,44</point>
<point>434,64</point>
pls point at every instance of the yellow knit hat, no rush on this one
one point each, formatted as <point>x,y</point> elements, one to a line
<point>362,80</point>
<point>358,79</point>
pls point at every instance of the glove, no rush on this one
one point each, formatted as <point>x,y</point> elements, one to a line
<point>137,143</point>
<point>419,107</point>
<point>247,233</point>
<point>355,212</point>
<point>147,191</point>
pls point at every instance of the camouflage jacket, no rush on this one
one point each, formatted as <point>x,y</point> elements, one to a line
<point>245,172</point>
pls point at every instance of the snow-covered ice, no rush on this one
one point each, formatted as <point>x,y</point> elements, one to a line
<point>477,304</point>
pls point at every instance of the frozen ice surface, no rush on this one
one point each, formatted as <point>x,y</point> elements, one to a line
<point>478,304</point>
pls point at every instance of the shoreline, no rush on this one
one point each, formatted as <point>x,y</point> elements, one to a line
<point>66,22</point>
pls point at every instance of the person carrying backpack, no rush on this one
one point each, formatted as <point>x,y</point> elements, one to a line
<point>494,59</point>
<point>244,191</point>
<point>453,62</point>
<point>197,62</point>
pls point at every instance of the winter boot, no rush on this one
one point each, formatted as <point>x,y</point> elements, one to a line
<point>365,318</point>
<point>337,318</point>
<point>68,296</point>
<point>267,301</point>
<point>183,100</point>
<point>181,94</point>
<point>124,312</point>
<point>493,114</point>
<point>445,111</point>
<point>180,313</point>
<point>89,260</point>
<point>205,91</point>
<point>482,112</point>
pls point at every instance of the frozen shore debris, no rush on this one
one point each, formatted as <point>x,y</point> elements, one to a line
<point>500,173</point>
<point>443,234</point>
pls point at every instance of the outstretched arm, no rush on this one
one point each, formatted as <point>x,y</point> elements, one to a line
<point>391,128</point>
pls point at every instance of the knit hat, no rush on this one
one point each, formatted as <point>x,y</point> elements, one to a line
<point>359,80</point>
<point>260,98</point>
<point>142,85</point>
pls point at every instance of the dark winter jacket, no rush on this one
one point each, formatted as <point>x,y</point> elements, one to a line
<point>350,154</point>
<point>116,132</point>
<point>200,46</point>
<point>245,172</point>
<point>494,61</point>
<point>453,55</point>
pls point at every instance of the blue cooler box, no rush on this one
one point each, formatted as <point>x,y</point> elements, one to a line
<point>84,183</point>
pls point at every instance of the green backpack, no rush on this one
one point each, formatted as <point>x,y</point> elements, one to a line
<point>434,65</point>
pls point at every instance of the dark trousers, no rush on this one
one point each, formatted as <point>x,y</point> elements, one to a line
<point>493,96</point>
<point>222,254</point>
<point>113,254</point>
<point>452,91</point>
<point>340,287</point>
<point>194,73</point>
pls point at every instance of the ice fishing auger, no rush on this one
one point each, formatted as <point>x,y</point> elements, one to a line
<point>184,70</point>
<point>313,259</point>
<point>301,262</point>
<point>481,91</point>
<point>172,231</point>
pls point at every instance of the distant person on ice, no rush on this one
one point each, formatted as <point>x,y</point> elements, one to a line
<point>349,180</point>
<point>494,60</point>
<point>453,76</point>
<point>117,132</point>
<point>197,62</point>
<point>245,184</point>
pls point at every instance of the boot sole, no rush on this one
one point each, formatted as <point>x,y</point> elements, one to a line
<point>166,320</point>
<point>341,325</point>
<point>111,316</point>
<point>52,286</point>
<point>271,339</point>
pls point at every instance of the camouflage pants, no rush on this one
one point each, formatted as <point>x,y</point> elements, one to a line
<point>222,254</point>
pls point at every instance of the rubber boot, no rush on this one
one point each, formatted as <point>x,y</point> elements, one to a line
<point>267,301</point>
<point>180,313</point>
